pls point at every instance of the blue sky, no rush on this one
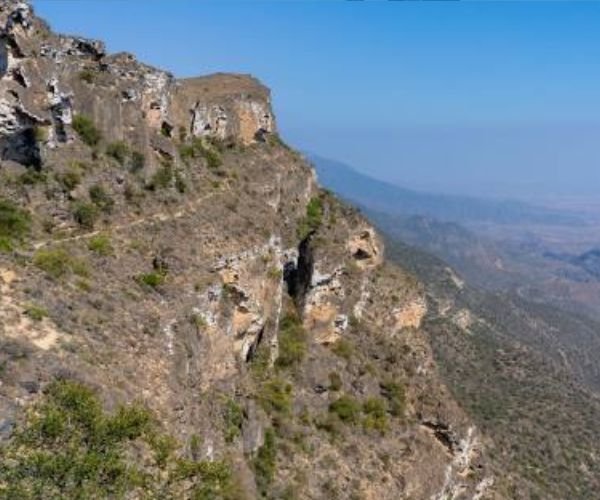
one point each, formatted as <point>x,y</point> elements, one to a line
<point>495,98</point>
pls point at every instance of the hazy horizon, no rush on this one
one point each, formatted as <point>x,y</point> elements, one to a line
<point>489,99</point>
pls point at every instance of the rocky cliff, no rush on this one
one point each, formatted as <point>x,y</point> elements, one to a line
<point>161,245</point>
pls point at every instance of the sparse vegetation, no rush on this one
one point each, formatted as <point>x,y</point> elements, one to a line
<point>14,224</point>
<point>68,447</point>
<point>265,463</point>
<point>57,263</point>
<point>375,412</point>
<point>162,178</point>
<point>85,214</point>
<point>394,392</point>
<point>346,408</point>
<point>119,151</point>
<point>343,348</point>
<point>275,396</point>
<point>69,180</point>
<point>153,279</point>
<point>233,417</point>
<point>36,313</point>
<point>137,161</point>
<point>101,198</point>
<point>101,244</point>
<point>313,218</point>
<point>86,130</point>
<point>292,341</point>
<point>200,149</point>
<point>87,76</point>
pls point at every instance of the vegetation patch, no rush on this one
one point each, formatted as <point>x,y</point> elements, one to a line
<point>265,463</point>
<point>101,244</point>
<point>57,263</point>
<point>152,280</point>
<point>86,130</point>
<point>346,408</point>
<point>36,313</point>
<point>292,341</point>
<point>69,447</point>
<point>162,178</point>
<point>275,396</point>
<point>101,198</point>
<point>118,151</point>
<point>85,214</point>
<point>233,417</point>
<point>343,348</point>
<point>313,218</point>
<point>395,394</point>
<point>14,224</point>
<point>375,415</point>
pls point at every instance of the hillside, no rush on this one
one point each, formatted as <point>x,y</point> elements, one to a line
<point>186,313</point>
<point>394,200</point>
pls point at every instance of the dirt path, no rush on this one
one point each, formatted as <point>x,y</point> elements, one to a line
<point>157,217</point>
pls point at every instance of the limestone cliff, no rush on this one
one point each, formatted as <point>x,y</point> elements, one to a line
<point>174,251</point>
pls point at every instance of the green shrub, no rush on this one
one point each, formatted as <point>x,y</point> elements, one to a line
<point>137,161</point>
<point>86,130</point>
<point>36,313</point>
<point>395,394</point>
<point>162,178</point>
<point>57,263</point>
<point>292,341</point>
<point>87,76</point>
<point>343,348</point>
<point>101,198</point>
<point>233,417</point>
<point>275,396</point>
<point>153,279</point>
<point>198,149</point>
<point>101,245</point>
<point>69,180</point>
<point>346,408</point>
<point>335,381</point>
<point>375,415</point>
<point>85,214</point>
<point>32,177</point>
<point>14,223</point>
<point>119,151</point>
<point>313,218</point>
<point>265,463</point>
<point>180,184</point>
<point>68,447</point>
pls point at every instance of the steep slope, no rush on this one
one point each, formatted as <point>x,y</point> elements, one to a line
<point>530,387</point>
<point>161,245</point>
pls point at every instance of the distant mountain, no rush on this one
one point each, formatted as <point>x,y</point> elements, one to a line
<point>395,200</point>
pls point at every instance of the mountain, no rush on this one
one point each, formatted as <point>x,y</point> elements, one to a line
<point>394,200</point>
<point>185,312</point>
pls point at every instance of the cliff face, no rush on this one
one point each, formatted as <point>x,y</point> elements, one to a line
<point>175,252</point>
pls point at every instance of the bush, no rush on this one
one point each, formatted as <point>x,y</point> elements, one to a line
<point>32,177</point>
<point>68,447</point>
<point>346,408</point>
<point>335,381</point>
<point>162,178</point>
<point>395,394</point>
<point>101,198</point>
<point>137,161</point>
<point>14,222</point>
<point>101,245</point>
<point>265,463</point>
<point>375,414</point>
<point>152,280</point>
<point>343,348</point>
<point>85,214</point>
<point>119,151</point>
<point>292,341</point>
<point>36,313</point>
<point>233,418</point>
<point>313,218</point>
<point>198,149</point>
<point>275,396</point>
<point>57,263</point>
<point>87,76</point>
<point>69,180</point>
<point>86,130</point>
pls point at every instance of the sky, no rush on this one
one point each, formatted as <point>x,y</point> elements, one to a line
<point>488,98</point>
